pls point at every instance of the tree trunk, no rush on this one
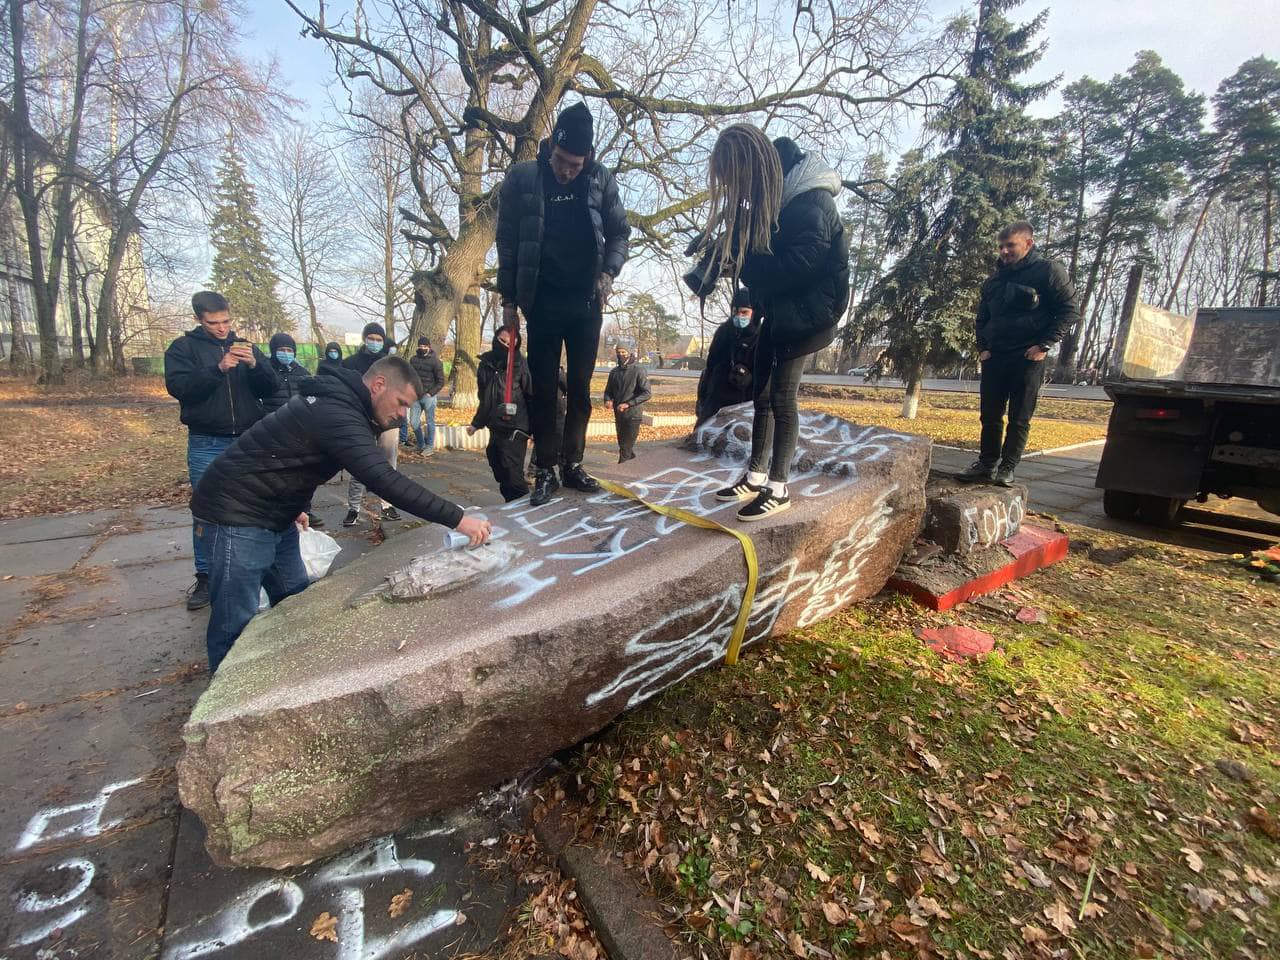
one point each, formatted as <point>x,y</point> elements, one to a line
<point>20,359</point>
<point>1266,240</point>
<point>467,346</point>
<point>73,302</point>
<point>911,398</point>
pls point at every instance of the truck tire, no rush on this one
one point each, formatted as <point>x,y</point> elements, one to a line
<point>1120,504</point>
<point>1159,511</point>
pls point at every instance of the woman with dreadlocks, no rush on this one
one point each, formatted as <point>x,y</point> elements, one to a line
<point>773,225</point>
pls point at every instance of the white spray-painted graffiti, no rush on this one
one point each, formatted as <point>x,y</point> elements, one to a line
<point>827,461</point>
<point>51,912</point>
<point>655,664</point>
<point>338,883</point>
<point>992,523</point>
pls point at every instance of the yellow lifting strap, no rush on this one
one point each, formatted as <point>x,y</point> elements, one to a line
<point>748,553</point>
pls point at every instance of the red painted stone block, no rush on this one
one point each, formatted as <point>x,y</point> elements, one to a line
<point>957,643</point>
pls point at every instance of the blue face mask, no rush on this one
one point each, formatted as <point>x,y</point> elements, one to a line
<point>284,356</point>
<point>373,346</point>
<point>741,322</point>
<point>333,354</point>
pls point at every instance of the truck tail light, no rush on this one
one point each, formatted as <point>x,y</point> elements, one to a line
<point>1158,413</point>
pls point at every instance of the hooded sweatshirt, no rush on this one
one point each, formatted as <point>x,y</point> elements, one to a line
<point>288,376</point>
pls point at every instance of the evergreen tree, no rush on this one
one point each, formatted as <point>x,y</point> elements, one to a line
<point>243,271</point>
<point>864,225</point>
<point>1149,140</point>
<point>1247,107</point>
<point>948,207</point>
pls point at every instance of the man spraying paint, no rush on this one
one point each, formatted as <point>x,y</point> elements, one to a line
<point>562,239</point>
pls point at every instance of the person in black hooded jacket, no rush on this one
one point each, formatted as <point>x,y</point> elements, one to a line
<point>219,380</point>
<point>726,379</point>
<point>332,359</point>
<point>371,351</point>
<point>289,372</point>
<point>1024,308</point>
<point>250,503</point>
<point>625,391</point>
<point>774,226</point>
<point>562,239</point>
<point>508,426</point>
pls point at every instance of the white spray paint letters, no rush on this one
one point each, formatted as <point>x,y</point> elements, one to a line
<point>993,523</point>
<point>337,886</point>
<point>42,914</point>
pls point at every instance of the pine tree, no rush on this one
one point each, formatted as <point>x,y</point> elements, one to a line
<point>1247,105</point>
<point>948,207</point>
<point>243,271</point>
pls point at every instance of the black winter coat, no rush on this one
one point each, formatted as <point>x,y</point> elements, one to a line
<point>215,402</point>
<point>491,385</point>
<point>288,379</point>
<point>362,360</point>
<point>1030,303</point>
<point>430,370</point>
<point>328,366</point>
<point>269,475</point>
<point>727,377</point>
<point>802,286</point>
<point>627,384</point>
<point>521,219</point>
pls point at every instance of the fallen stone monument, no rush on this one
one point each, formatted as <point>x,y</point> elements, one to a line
<point>419,676</point>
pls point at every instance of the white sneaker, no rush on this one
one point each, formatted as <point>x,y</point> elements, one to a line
<point>742,490</point>
<point>764,505</point>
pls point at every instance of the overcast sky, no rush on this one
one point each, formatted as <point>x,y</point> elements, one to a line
<point>1203,42</point>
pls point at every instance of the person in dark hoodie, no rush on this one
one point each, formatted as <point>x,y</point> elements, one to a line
<point>726,379</point>
<point>370,352</point>
<point>427,363</point>
<point>289,375</point>
<point>250,503</point>
<point>562,239</point>
<point>219,379</point>
<point>508,425</point>
<point>774,226</point>
<point>332,359</point>
<point>627,389</point>
<point>1024,308</point>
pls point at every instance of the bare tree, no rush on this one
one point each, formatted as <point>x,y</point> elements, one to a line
<point>476,83</point>
<point>304,214</point>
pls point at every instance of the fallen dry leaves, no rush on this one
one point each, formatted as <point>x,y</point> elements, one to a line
<point>325,927</point>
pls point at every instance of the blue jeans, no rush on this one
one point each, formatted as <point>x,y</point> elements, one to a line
<point>202,450</point>
<point>243,561</point>
<point>424,407</point>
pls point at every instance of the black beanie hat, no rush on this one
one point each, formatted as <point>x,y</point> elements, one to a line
<point>372,329</point>
<point>279,340</point>
<point>573,130</point>
<point>741,299</point>
<point>424,341</point>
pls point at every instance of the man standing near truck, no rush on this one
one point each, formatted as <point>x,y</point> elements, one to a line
<point>1024,308</point>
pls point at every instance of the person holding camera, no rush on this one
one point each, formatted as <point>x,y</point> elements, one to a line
<point>220,381</point>
<point>726,379</point>
<point>1024,308</point>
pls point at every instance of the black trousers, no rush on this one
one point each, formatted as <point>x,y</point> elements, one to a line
<point>1009,383</point>
<point>577,330</point>
<point>628,429</point>
<point>776,426</point>
<point>506,453</point>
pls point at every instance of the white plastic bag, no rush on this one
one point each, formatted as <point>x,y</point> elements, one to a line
<point>318,551</point>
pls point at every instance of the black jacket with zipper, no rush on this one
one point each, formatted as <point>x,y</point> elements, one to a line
<point>288,380</point>
<point>1027,304</point>
<point>219,403</point>
<point>627,384</point>
<point>269,475</point>
<point>491,385</point>
<point>522,217</point>
<point>363,359</point>
<point>430,370</point>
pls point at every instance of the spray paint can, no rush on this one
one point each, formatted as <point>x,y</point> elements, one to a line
<point>455,541</point>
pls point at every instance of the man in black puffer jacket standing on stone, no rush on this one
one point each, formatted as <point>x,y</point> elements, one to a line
<point>1024,308</point>
<point>626,390</point>
<point>220,380</point>
<point>562,239</point>
<point>251,502</point>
